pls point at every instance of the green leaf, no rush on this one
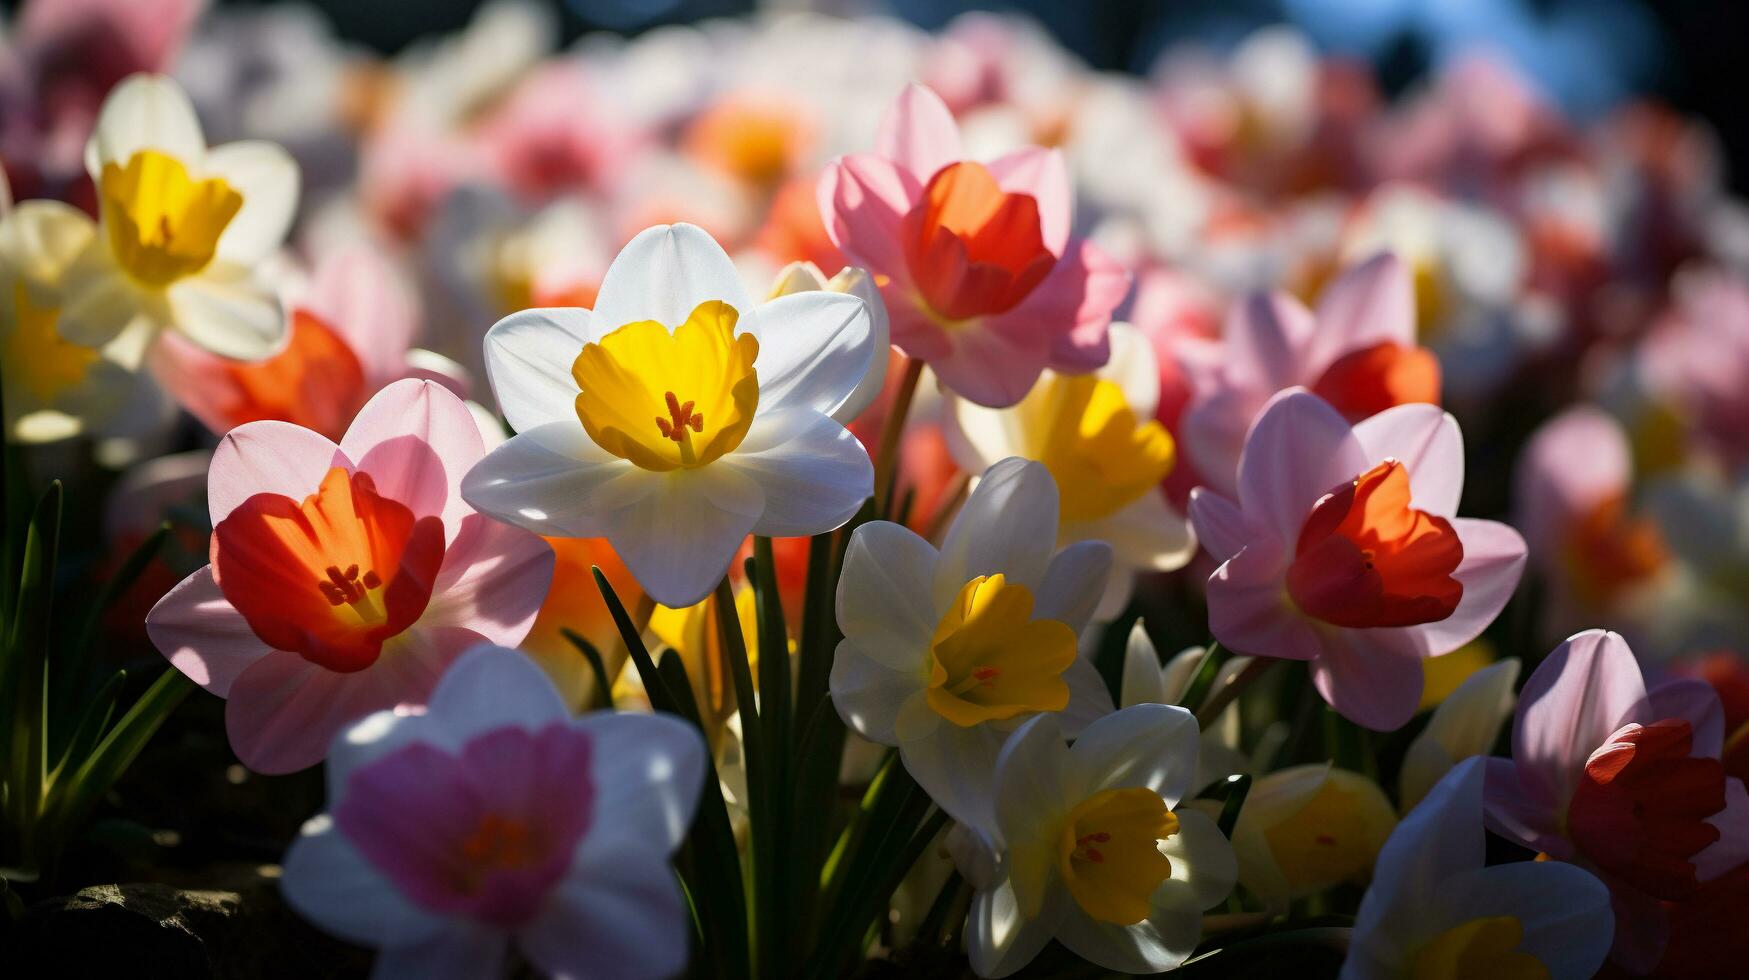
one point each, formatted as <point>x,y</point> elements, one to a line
<point>74,657</point>
<point>93,722</point>
<point>767,923</point>
<point>1234,789</point>
<point>26,668</point>
<point>598,667</point>
<point>775,907</point>
<point>661,698</point>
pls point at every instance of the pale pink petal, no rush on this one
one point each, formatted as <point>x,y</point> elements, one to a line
<point>1267,335</point>
<point>1732,847</point>
<point>1370,303</point>
<point>493,581</point>
<point>1586,689</point>
<point>1042,174</point>
<point>1510,812</point>
<point>366,302</point>
<point>199,381</point>
<point>1212,434</point>
<point>1429,444</point>
<point>990,369</point>
<point>283,711</point>
<point>1696,702</point>
<point>1371,677</point>
<point>1492,564</point>
<point>268,457</point>
<point>1249,611</point>
<point>1084,287</point>
<point>202,634</point>
<point>1575,461</point>
<point>417,440</point>
<point>918,133</point>
<point>1220,525</point>
<point>1299,450</point>
<point>863,201</point>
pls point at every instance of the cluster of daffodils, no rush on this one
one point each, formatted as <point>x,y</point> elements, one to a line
<point>705,523</point>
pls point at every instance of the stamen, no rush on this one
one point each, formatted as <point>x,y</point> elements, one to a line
<point>1084,846</point>
<point>681,417</point>
<point>341,588</point>
<point>979,677</point>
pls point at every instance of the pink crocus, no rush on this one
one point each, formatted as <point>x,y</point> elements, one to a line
<point>1343,550</point>
<point>1623,779</point>
<point>981,277</point>
<point>351,334</point>
<point>344,578</point>
<point>556,133</point>
<point>1357,352</point>
<point>495,819</point>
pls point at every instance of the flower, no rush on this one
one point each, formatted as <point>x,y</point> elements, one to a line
<point>183,229</point>
<point>981,277</point>
<point>946,653</point>
<point>1624,780</point>
<point>1094,848</point>
<point>1097,435</point>
<point>348,338</point>
<point>344,578</point>
<point>1466,723</point>
<point>1306,828</point>
<point>1147,681</point>
<point>1343,551</point>
<point>55,389</point>
<point>802,277</point>
<point>1434,910</point>
<point>496,819</point>
<point>1357,352</point>
<point>676,417</point>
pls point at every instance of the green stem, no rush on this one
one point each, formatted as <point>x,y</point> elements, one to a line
<point>886,461</point>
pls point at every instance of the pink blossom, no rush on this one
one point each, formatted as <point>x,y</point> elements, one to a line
<point>983,279</point>
<point>346,577</point>
<point>1343,550</point>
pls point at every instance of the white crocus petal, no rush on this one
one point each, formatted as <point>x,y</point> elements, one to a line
<point>990,533</point>
<point>662,275</point>
<point>954,766</point>
<point>1089,698</point>
<point>1073,584</point>
<point>328,882</point>
<point>554,481</point>
<point>1148,745</point>
<point>1144,681</point>
<point>492,687</point>
<point>813,473</point>
<point>1564,910</point>
<point>977,437</point>
<point>229,312</point>
<point>464,952</point>
<point>1202,858</point>
<point>1032,791</point>
<point>1135,368</point>
<point>1160,942</point>
<point>814,350</point>
<point>145,112</point>
<point>102,301</point>
<point>999,939</point>
<point>267,178</point>
<point>884,600</point>
<point>648,772</point>
<point>874,698</point>
<point>1145,534</point>
<point>678,540</point>
<point>528,364</point>
<point>1465,724</point>
<point>620,907</point>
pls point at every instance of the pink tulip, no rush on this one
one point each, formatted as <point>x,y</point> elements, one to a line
<point>345,578</point>
<point>982,279</point>
<point>1343,550</point>
<point>1624,780</point>
<point>1357,352</point>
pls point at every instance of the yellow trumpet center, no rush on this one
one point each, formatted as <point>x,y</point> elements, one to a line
<point>1332,838</point>
<point>991,660</point>
<point>163,225</point>
<point>1086,434</point>
<point>47,365</point>
<point>669,401</point>
<point>1486,947</point>
<point>1108,853</point>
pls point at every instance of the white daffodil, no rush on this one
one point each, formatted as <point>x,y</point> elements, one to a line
<point>55,389</point>
<point>1466,723</point>
<point>676,417</point>
<point>1434,910</point>
<point>1097,435</point>
<point>184,229</point>
<point>1093,848</point>
<point>804,277</point>
<point>1147,681</point>
<point>1306,828</point>
<point>946,653</point>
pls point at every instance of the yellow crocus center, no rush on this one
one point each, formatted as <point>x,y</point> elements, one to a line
<point>1108,853</point>
<point>1086,434</point>
<point>45,364</point>
<point>669,401</point>
<point>990,660</point>
<point>1328,840</point>
<point>1486,947</point>
<point>163,224</point>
